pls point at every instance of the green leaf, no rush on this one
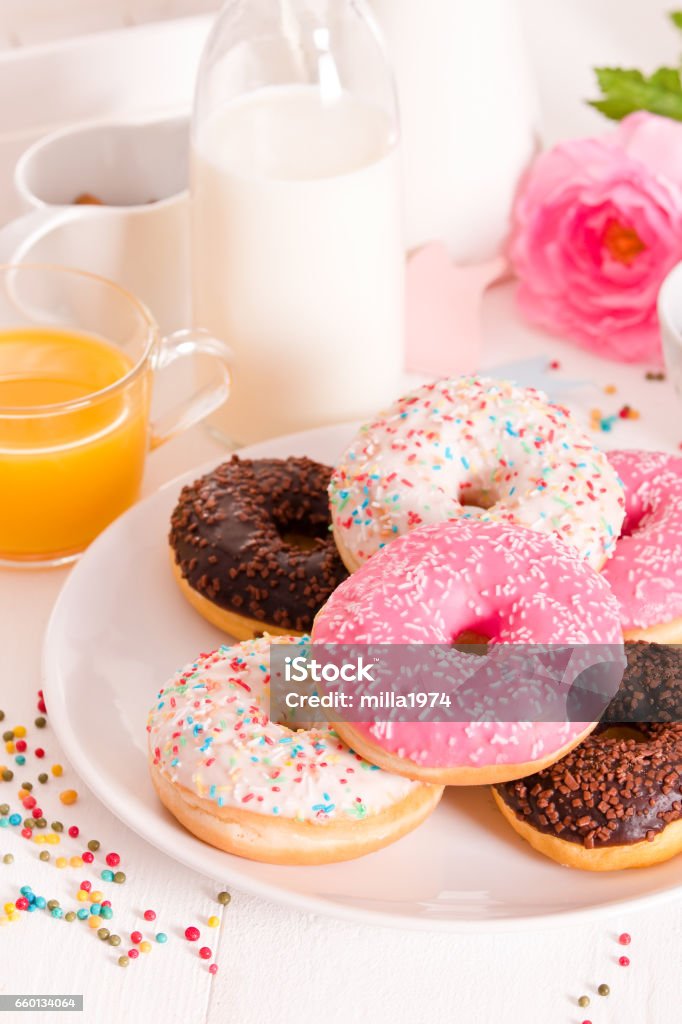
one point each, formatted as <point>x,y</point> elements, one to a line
<point>625,90</point>
<point>676,18</point>
<point>667,79</point>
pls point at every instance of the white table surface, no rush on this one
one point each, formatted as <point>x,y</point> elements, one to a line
<point>276,963</point>
<point>280,965</point>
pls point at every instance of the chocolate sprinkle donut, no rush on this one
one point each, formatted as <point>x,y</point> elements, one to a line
<point>621,785</point>
<point>253,537</point>
<point>651,688</point>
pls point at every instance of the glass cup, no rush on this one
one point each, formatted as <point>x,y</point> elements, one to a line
<point>68,467</point>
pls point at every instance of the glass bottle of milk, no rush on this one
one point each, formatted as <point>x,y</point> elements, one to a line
<point>297,236</point>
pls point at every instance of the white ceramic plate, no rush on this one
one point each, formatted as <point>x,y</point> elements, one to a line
<point>120,628</point>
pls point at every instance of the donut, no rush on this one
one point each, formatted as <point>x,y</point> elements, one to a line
<point>470,448</point>
<point>256,789</point>
<point>615,801</point>
<point>251,547</point>
<point>439,583</point>
<point>651,687</point>
<point>645,571</point>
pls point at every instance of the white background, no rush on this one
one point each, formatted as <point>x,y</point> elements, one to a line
<point>276,964</point>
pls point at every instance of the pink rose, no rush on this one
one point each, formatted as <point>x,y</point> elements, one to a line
<point>597,226</point>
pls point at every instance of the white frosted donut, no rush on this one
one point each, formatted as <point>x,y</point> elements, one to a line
<point>466,448</point>
<point>254,788</point>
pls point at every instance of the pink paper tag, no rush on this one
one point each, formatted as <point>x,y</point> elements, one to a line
<point>443,327</point>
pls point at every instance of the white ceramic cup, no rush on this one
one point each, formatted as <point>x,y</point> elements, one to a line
<point>138,237</point>
<point>670,320</point>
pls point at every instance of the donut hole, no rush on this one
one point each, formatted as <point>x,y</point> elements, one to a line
<point>624,732</point>
<point>471,642</point>
<point>301,534</point>
<point>634,521</point>
<point>473,497</point>
<point>300,541</point>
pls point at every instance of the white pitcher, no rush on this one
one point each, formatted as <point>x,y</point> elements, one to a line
<point>468,117</point>
<point>297,234</point>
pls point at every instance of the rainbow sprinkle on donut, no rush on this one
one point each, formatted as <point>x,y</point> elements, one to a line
<point>471,448</point>
<point>209,732</point>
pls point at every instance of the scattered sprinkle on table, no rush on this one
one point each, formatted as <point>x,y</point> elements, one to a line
<point>91,905</point>
<point>604,990</point>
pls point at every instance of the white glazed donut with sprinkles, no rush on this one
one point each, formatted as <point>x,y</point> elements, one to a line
<point>259,790</point>
<point>465,448</point>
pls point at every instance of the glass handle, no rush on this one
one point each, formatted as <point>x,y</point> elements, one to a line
<point>208,397</point>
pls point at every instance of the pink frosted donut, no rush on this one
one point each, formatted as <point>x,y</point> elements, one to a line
<point>466,448</point>
<point>645,572</point>
<point>439,582</point>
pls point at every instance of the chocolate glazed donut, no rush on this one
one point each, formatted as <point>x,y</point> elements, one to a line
<point>251,545</point>
<point>615,801</point>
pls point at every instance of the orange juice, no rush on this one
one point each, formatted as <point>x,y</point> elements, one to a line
<point>66,470</point>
